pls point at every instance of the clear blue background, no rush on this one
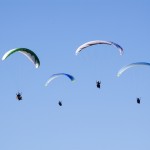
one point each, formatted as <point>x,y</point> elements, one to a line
<point>108,118</point>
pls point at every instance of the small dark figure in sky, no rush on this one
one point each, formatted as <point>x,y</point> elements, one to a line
<point>98,84</point>
<point>60,103</point>
<point>18,96</point>
<point>138,100</point>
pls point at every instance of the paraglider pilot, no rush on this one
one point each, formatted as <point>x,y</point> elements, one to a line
<point>98,83</point>
<point>18,96</point>
<point>138,100</point>
<point>60,103</point>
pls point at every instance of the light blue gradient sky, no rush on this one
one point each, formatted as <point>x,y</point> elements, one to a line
<point>107,119</point>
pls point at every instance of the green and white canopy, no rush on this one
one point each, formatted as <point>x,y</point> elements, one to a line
<point>27,52</point>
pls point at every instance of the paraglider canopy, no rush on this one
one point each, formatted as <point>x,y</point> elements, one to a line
<point>27,52</point>
<point>90,43</point>
<point>123,69</point>
<point>58,75</point>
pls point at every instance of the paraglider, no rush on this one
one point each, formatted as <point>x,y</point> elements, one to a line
<point>54,76</point>
<point>98,84</point>
<point>27,52</point>
<point>18,96</point>
<point>90,43</point>
<point>138,100</point>
<point>60,103</point>
<point>58,75</point>
<point>123,69</point>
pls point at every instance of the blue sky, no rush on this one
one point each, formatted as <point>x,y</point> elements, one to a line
<point>90,118</point>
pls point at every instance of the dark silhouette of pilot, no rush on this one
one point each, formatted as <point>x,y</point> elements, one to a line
<point>60,103</point>
<point>138,100</point>
<point>98,84</point>
<point>18,96</point>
